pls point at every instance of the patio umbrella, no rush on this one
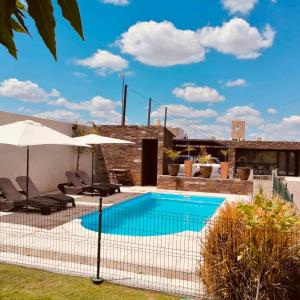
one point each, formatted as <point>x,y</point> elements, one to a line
<point>29,133</point>
<point>94,139</point>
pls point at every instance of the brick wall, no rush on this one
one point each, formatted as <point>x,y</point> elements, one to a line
<point>207,185</point>
<point>130,156</point>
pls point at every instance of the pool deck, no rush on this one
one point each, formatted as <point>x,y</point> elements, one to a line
<point>59,243</point>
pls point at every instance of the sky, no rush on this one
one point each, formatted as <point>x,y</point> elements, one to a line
<point>208,61</point>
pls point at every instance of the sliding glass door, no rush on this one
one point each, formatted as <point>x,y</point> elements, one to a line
<point>287,163</point>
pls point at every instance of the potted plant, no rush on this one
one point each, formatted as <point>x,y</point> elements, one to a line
<point>203,160</point>
<point>188,164</point>
<point>224,165</point>
<point>243,173</point>
<point>172,155</point>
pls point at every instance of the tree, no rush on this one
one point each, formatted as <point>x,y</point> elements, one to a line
<point>81,131</point>
<point>14,12</point>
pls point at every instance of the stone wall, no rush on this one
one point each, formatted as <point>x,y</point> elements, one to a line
<point>196,184</point>
<point>130,156</point>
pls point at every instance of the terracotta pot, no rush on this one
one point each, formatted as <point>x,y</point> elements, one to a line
<point>173,169</point>
<point>243,173</point>
<point>205,171</point>
<point>188,168</point>
<point>224,170</point>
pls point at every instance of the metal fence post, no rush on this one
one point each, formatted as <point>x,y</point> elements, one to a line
<point>97,280</point>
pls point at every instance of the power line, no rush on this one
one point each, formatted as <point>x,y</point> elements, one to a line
<point>159,104</point>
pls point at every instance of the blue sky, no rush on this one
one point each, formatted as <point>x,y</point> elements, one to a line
<point>209,61</point>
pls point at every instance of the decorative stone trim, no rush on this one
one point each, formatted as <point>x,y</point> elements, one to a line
<point>208,185</point>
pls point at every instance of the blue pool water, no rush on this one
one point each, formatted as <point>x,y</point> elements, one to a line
<point>154,214</point>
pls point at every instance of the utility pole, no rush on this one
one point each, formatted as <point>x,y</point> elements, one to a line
<point>166,116</point>
<point>122,75</point>
<point>124,105</point>
<point>149,111</point>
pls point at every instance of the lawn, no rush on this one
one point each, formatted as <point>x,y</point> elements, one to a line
<point>18,283</point>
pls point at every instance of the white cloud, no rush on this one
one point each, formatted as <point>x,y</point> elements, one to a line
<point>236,83</point>
<point>238,38</point>
<point>162,44</point>
<point>195,129</point>
<point>292,121</point>
<point>286,129</point>
<point>272,111</point>
<point>54,93</point>
<point>26,91</point>
<point>192,93</point>
<point>26,110</point>
<point>244,113</point>
<point>79,74</point>
<point>60,115</point>
<point>239,6</point>
<point>98,107</point>
<point>104,62</point>
<point>175,110</point>
<point>116,2</point>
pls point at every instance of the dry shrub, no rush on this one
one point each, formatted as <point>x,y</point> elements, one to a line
<point>251,251</point>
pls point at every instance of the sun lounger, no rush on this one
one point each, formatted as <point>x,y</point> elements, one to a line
<point>11,194</point>
<point>34,192</point>
<point>86,179</point>
<point>76,182</point>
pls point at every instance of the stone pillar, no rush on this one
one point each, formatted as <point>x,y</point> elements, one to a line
<point>231,157</point>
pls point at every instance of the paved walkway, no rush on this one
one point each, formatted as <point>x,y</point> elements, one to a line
<point>267,186</point>
<point>294,188</point>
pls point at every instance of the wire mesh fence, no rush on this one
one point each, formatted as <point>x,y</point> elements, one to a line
<point>133,246</point>
<point>139,248</point>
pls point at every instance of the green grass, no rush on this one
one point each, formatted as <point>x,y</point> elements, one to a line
<point>18,283</point>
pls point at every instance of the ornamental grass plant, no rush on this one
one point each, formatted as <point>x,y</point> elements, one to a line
<point>251,251</point>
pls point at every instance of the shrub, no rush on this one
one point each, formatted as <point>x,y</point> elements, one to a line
<point>251,251</point>
<point>172,154</point>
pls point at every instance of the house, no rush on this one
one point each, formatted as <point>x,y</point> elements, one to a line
<point>262,156</point>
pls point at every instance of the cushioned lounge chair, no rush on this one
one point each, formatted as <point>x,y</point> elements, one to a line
<point>76,182</point>
<point>86,179</point>
<point>34,192</point>
<point>10,192</point>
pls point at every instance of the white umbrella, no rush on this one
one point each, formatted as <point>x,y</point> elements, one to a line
<point>29,133</point>
<point>94,139</point>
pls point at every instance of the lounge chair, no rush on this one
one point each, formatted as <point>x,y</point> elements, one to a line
<point>34,192</point>
<point>76,182</point>
<point>10,193</point>
<point>86,179</point>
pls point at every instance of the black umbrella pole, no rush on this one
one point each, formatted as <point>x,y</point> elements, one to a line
<point>92,172</point>
<point>97,280</point>
<point>27,179</point>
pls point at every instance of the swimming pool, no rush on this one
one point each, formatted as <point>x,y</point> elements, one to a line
<point>155,214</point>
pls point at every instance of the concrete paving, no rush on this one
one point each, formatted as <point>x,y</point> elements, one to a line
<point>60,243</point>
<point>266,185</point>
<point>294,188</point>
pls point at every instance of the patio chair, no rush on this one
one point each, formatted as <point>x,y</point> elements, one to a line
<point>34,191</point>
<point>11,194</point>
<point>86,179</point>
<point>76,182</point>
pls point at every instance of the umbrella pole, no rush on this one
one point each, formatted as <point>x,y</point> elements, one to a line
<point>27,178</point>
<point>92,172</point>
